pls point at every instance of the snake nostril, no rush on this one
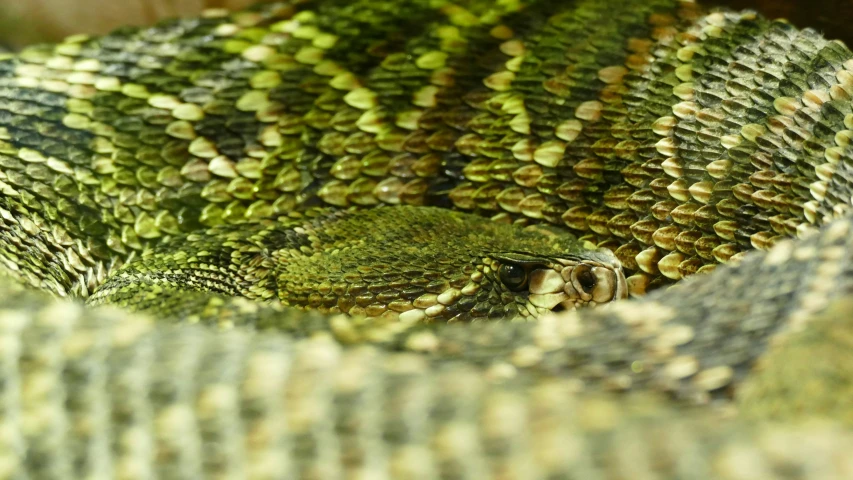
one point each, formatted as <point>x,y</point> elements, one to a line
<point>559,308</point>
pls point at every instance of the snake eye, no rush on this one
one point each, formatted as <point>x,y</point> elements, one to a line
<point>513,276</point>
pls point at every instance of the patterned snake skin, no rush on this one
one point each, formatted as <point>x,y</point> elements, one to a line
<point>187,171</point>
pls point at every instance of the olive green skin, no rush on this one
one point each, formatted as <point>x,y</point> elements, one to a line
<point>651,132</point>
<point>407,263</point>
<point>679,140</point>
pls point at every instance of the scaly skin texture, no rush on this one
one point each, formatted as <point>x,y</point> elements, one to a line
<point>106,394</point>
<point>675,153</point>
<point>676,139</point>
<point>412,264</point>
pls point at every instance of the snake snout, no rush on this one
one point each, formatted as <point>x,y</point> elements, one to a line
<point>578,284</point>
<point>594,284</point>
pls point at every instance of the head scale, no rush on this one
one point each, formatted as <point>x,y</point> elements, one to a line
<point>430,264</point>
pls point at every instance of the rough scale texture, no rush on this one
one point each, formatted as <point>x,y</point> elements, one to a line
<point>412,264</point>
<point>677,139</point>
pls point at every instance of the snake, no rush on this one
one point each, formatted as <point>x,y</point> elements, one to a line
<point>380,239</point>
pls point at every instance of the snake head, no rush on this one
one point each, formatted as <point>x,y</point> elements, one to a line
<point>427,264</point>
<point>555,284</point>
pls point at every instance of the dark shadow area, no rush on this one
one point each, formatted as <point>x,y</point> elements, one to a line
<point>832,18</point>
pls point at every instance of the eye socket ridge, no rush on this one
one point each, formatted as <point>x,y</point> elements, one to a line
<point>520,259</point>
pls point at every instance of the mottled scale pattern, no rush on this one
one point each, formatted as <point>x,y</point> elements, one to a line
<point>676,139</point>
<point>107,394</point>
<point>161,169</point>
<point>443,266</point>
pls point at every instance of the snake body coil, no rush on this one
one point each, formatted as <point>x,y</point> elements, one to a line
<point>224,169</point>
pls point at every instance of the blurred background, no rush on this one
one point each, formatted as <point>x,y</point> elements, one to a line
<point>29,21</point>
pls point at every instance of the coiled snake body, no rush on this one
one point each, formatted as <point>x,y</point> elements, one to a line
<point>227,169</point>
